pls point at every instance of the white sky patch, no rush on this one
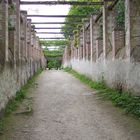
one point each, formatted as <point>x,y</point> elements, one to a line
<point>46,10</point>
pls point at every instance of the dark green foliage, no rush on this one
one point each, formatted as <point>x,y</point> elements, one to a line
<point>54,64</point>
<point>78,10</point>
<point>1,126</point>
<point>128,102</point>
<point>53,58</point>
<point>54,53</point>
<point>120,10</point>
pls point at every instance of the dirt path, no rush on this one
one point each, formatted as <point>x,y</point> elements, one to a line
<point>66,109</point>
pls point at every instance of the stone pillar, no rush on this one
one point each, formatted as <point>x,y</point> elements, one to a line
<point>95,35</point>
<point>28,38</point>
<point>23,49</point>
<point>87,40</point>
<point>132,29</point>
<point>84,43</point>
<point>3,32</point>
<point>29,47</point>
<point>108,23</point>
<point>24,25</point>
<point>12,33</point>
<point>91,38</point>
<point>17,31</point>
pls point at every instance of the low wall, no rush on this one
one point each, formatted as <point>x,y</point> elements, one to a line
<point>13,78</point>
<point>117,73</point>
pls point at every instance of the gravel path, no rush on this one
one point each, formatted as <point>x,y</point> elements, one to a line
<point>66,109</point>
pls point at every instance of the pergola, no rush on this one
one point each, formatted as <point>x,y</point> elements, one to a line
<point>85,3</point>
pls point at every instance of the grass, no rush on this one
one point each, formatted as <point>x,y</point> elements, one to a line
<point>20,96</point>
<point>125,100</point>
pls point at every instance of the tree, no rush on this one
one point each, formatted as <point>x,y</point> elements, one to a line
<point>78,10</point>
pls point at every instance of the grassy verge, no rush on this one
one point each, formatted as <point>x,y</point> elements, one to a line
<point>128,102</point>
<point>20,95</point>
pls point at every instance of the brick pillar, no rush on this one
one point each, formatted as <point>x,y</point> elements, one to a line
<point>99,47</point>
<point>107,29</point>
<point>118,37</point>
<point>132,29</point>
<point>3,32</point>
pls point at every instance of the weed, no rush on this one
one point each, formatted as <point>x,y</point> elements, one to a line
<point>15,102</point>
<point>20,95</point>
<point>128,102</point>
<point>1,126</point>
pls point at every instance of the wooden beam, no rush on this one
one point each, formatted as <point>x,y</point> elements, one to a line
<point>110,7</point>
<point>57,16</point>
<point>60,3</point>
<point>55,22</point>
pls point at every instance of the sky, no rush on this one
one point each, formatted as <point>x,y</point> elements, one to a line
<point>46,10</point>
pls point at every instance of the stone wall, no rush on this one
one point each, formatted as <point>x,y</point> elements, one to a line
<point>21,54</point>
<point>115,58</point>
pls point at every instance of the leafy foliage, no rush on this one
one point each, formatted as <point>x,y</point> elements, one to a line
<point>120,10</point>
<point>78,10</point>
<point>54,64</point>
<point>53,58</point>
<point>53,42</point>
<point>54,53</point>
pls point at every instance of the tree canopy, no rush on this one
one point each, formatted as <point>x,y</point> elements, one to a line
<point>78,10</point>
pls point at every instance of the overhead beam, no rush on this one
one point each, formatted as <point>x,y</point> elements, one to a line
<point>58,16</point>
<point>55,22</point>
<point>52,38</point>
<point>47,27</point>
<point>60,3</point>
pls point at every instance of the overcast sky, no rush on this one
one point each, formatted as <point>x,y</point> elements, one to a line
<point>46,10</point>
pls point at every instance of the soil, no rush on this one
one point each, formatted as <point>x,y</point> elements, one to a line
<point>63,108</point>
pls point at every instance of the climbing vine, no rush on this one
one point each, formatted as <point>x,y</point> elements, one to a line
<point>12,10</point>
<point>120,14</point>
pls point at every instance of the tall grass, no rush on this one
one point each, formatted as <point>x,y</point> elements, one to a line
<point>125,100</point>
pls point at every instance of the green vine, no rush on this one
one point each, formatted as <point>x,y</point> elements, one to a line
<point>12,10</point>
<point>76,41</point>
<point>120,11</point>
